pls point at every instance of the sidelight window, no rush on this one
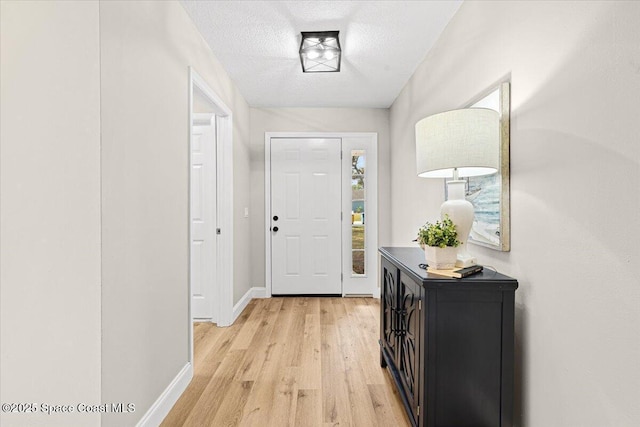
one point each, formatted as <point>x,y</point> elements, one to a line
<point>358,212</point>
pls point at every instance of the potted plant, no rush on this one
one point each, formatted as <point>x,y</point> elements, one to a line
<point>440,243</point>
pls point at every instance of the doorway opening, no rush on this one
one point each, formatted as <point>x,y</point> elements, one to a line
<point>210,207</point>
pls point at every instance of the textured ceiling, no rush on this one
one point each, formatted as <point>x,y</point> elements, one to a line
<point>383,42</point>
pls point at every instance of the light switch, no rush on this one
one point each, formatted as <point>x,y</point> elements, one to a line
<point>246,212</point>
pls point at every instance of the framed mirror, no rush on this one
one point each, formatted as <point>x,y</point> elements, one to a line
<point>489,194</point>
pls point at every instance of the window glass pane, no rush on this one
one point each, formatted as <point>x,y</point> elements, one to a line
<point>358,207</point>
<point>358,262</point>
<point>357,236</point>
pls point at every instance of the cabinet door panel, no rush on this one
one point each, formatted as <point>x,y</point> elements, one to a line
<point>469,357</point>
<point>409,338</point>
<point>388,323</point>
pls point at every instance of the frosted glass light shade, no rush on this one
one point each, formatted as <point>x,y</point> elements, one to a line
<point>466,139</point>
<point>320,51</point>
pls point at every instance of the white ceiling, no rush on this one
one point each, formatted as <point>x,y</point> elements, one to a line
<point>383,42</point>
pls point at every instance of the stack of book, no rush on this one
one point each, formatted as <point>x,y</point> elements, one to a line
<point>457,273</point>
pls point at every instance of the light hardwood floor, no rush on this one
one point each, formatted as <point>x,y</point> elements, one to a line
<point>298,361</point>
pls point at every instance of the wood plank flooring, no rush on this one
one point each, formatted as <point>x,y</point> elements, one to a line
<point>297,361</point>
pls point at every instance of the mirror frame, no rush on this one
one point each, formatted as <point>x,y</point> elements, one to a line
<point>496,98</point>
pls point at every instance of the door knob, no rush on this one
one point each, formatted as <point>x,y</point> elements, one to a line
<point>275,228</point>
<point>275,218</point>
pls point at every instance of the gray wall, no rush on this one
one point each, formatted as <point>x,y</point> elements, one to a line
<point>313,120</point>
<point>49,209</point>
<point>574,191</point>
<point>146,48</point>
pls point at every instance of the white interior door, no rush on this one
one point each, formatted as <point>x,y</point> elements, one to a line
<point>203,216</point>
<point>306,216</point>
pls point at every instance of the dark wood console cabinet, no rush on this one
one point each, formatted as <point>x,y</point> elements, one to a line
<point>448,343</point>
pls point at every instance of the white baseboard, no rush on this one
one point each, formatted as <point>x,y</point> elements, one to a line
<point>255,292</point>
<point>168,398</point>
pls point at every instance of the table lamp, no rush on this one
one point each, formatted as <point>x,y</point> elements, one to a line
<point>455,144</point>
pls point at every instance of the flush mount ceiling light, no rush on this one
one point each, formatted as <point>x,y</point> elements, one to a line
<point>320,52</point>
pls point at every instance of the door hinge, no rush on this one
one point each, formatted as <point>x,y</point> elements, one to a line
<point>340,155</point>
<point>418,411</point>
<point>341,218</point>
<point>218,231</point>
<point>341,277</point>
<point>419,308</point>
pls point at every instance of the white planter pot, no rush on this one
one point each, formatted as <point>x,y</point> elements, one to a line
<point>441,258</point>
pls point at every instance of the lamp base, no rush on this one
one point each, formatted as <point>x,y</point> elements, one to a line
<point>461,213</point>
<point>466,260</point>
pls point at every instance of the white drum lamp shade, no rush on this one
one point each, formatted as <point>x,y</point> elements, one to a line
<point>466,140</point>
<point>453,144</point>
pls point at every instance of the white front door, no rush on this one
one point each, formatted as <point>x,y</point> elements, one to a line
<point>203,215</point>
<point>305,216</point>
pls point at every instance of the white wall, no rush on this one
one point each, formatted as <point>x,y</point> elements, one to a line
<point>95,200</point>
<point>49,209</point>
<point>146,48</point>
<point>575,172</point>
<point>313,120</point>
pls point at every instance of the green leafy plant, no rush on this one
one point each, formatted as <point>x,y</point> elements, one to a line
<point>441,234</point>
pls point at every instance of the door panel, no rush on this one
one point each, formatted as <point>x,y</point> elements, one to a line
<point>292,255</point>
<point>306,199</point>
<point>203,219</point>
<point>292,196</point>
